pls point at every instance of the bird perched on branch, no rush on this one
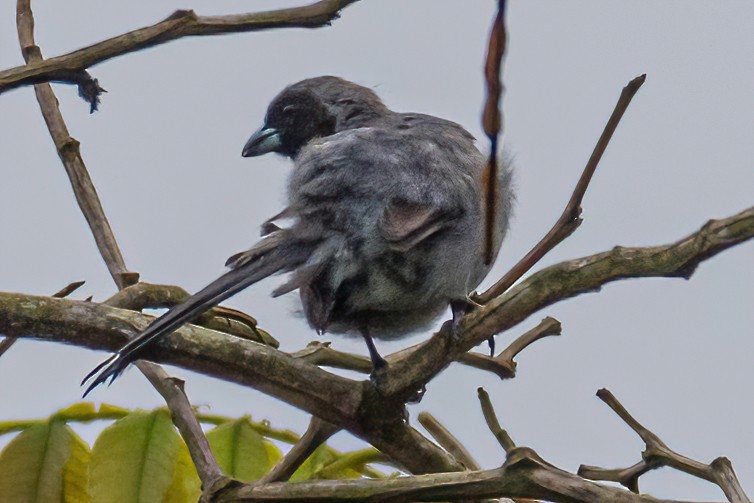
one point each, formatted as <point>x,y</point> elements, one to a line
<point>386,211</point>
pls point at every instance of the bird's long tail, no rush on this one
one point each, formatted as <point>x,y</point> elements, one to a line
<point>271,261</point>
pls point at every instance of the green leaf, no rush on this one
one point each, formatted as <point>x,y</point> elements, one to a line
<point>241,451</point>
<point>320,458</point>
<point>134,459</point>
<point>76,472</point>
<point>32,464</point>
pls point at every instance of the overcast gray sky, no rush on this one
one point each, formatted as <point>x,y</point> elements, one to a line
<point>164,153</point>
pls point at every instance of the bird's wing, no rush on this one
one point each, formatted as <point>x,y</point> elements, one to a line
<point>404,224</point>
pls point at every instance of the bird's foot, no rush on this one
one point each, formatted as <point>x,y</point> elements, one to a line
<point>460,308</point>
<point>379,372</point>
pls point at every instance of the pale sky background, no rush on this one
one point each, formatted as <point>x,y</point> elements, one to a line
<point>164,153</point>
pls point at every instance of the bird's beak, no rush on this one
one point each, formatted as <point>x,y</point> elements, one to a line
<point>262,142</point>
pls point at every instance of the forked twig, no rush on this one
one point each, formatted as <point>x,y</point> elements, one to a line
<point>86,195</point>
<point>657,454</point>
<point>570,219</point>
<point>316,434</point>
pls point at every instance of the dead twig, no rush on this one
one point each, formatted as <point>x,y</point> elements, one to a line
<point>86,195</point>
<point>570,219</point>
<point>503,365</point>
<point>317,434</point>
<point>657,454</point>
<point>71,68</point>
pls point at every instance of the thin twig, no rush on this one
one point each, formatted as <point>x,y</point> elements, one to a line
<point>503,365</point>
<point>86,195</point>
<point>317,434</point>
<point>658,454</point>
<point>446,439</point>
<point>68,150</point>
<point>570,219</point>
<point>505,441</point>
<point>321,354</point>
<point>182,23</point>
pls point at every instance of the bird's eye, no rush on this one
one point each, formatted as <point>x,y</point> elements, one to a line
<point>288,109</point>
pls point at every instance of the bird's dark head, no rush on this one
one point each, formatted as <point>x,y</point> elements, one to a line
<point>295,117</point>
<point>313,108</point>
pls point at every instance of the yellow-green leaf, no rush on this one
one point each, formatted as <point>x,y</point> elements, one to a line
<point>186,486</point>
<point>241,451</point>
<point>78,411</point>
<point>32,464</point>
<point>321,457</point>
<point>134,459</point>
<point>76,472</point>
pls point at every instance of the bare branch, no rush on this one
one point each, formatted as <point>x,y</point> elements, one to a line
<point>446,439</point>
<point>505,441</point>
<point>86,195</point>
<point>6,343</point>
<point>657,454</point>
<point>503,364</point>
<point>68,150</point>
<point>561,281</point>
<point>317,434</point>
<point>524,475</point>
<point>375,417</point>
<point>223,319</point>
<point>320,353</point>
<point>182,23</point>
<point>570,219</point>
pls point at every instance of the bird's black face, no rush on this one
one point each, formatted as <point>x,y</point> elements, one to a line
<point>294,118</point>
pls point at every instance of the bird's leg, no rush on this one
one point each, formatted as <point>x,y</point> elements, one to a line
<point>379,365</point>
<point>459,307</point>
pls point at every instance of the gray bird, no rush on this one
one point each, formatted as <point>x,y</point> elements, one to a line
<point>387,220</point>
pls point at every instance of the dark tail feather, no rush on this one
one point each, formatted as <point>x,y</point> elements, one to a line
<point>223,287</point>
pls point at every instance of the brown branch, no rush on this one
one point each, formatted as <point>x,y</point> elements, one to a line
<point>505,441</point>
<point>223,319</point>
<point>316,434</point>
<point>320,353</point>
<point>86,195</point>
<point>182,23</point>
<point>358,407</point>
<point>570,219</point>
<point>558,282</point>
<point>658,454</point>
<point>67,290</point>
<point>503,365</point>
<point>446,439</point>
<point>68,150</point>
<point>524,475</point>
